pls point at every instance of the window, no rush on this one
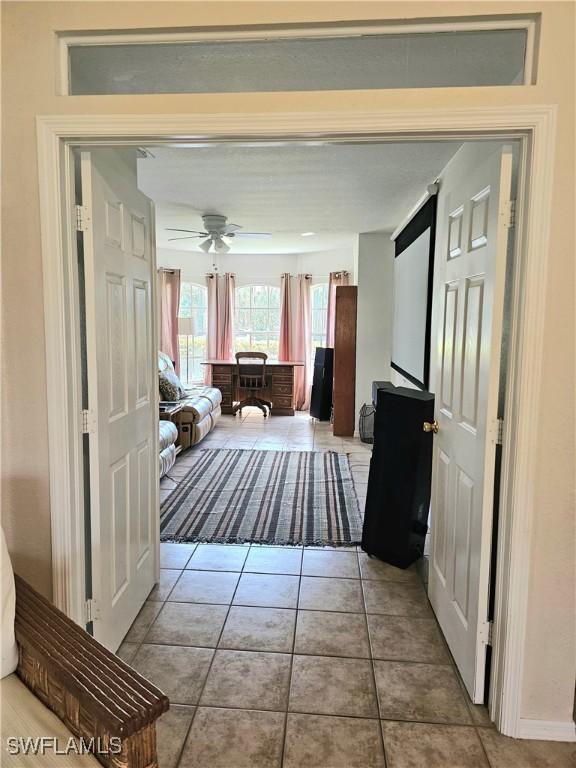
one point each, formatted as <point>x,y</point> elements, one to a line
<point>257,321</point>
<point>192,325</point>
<point>319,303</point>
<point>469,52</point>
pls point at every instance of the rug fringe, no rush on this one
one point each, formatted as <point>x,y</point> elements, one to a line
<point>263,542</point>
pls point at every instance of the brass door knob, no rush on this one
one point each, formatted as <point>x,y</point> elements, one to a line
<point>427,427</point>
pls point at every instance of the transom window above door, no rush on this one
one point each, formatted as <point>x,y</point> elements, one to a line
<point>257,319</point>
<point>467,52</point>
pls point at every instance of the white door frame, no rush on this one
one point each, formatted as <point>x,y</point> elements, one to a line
<point>535,126</point>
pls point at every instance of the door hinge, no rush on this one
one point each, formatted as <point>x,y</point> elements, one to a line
<point>509,213</point>
<point>497,431</point>
<point>486,632</point>
<point>88,425</point>
<point>92,612</point>
<point>82,218</point>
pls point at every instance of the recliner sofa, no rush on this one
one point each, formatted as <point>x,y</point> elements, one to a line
<point>168,435</point>
<point>201,408</point>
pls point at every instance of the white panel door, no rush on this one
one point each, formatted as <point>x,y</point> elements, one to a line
<point>119,262</point>
<point>469,282</point>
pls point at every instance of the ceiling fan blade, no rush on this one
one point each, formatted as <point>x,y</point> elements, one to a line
<point>253,234</point>
<point>190,237</point>
<point>194,231</point>
<point>231,228</point>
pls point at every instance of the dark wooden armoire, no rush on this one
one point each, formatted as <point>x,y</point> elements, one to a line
<point>344,395</point>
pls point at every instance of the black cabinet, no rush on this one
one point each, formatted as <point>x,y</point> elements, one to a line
<point>398,497</point>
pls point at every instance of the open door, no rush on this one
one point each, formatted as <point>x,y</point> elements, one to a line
<point>470,270</point>
<point>119,266</point>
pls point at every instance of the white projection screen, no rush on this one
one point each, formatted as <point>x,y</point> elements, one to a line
<point>413,272</point>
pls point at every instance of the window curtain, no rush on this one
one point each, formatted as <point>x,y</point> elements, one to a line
<point>336,279</point>
<point>212,324</point>
<point>220,330</point>
<point>227,290</point>
<point>169,301</point>
<point>301,343</point>
<point>285,347</point>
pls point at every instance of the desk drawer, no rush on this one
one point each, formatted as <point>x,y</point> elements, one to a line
<point>222,370</point>
<point>282,371</point>
<point>281,402</point>
<point>281,389</point>
<point>282,378</point>
<point>223,386</point>
<point>223,378</point>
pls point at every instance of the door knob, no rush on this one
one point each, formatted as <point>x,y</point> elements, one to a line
<point>431,427</point>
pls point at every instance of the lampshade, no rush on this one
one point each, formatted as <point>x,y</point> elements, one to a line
<point>185,327</point>
<point>206,245</point>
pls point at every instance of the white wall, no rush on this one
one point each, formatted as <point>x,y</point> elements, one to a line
<point>263,269</point>
<point>375,266</point>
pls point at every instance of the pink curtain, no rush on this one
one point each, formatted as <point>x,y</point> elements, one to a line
<point>227,290</point>
<point>285,343</point>
<point>336,279</point>
<point>169,301</point>
<point>301,346</point>
<point>212,327</point>
<point>220,332</point>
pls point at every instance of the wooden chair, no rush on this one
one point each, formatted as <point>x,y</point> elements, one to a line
<point>93,692</point>
<point>251,381</point>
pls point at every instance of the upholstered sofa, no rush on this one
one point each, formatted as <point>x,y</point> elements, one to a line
<point>200,408</point>
<point>168,435</point>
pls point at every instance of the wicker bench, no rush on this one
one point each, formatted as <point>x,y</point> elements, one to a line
<point>93,692</point>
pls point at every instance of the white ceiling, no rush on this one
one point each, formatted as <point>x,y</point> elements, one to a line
<point>334,190</point>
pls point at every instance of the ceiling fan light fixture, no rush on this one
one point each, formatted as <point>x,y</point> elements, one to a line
<point>219,233</point>
<point>206,245</point>
<point>220,246</point>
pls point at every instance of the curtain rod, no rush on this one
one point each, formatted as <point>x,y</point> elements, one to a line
<point>219,274</point>
<point>268,277</point>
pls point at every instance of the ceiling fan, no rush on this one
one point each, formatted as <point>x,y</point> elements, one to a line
<point>217,232</point>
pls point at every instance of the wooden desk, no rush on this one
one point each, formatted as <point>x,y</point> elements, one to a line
<point>280,379</point>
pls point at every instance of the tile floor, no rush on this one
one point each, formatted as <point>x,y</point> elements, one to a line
<point>280,657</point>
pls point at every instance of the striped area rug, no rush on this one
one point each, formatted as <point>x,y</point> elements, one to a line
<point>272,497</point>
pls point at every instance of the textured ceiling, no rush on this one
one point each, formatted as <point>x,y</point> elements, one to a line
<point>334,190</point>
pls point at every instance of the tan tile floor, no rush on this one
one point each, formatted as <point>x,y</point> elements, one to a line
<point>276,657</point>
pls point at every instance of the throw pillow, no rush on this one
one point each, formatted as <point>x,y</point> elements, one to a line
<point>171,388</point>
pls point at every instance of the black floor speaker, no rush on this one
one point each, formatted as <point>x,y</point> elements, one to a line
<point>398,496</point>
<point>321,398</point>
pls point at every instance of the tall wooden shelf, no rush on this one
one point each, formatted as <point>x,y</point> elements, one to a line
<point>344,396</point>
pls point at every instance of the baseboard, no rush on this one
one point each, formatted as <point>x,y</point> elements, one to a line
<point>546,730</point>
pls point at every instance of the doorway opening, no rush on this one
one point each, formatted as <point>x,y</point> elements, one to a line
<point>226,475</point>
<point>58,132</point>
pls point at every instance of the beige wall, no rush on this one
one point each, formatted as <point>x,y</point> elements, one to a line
<point>28,89</point>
